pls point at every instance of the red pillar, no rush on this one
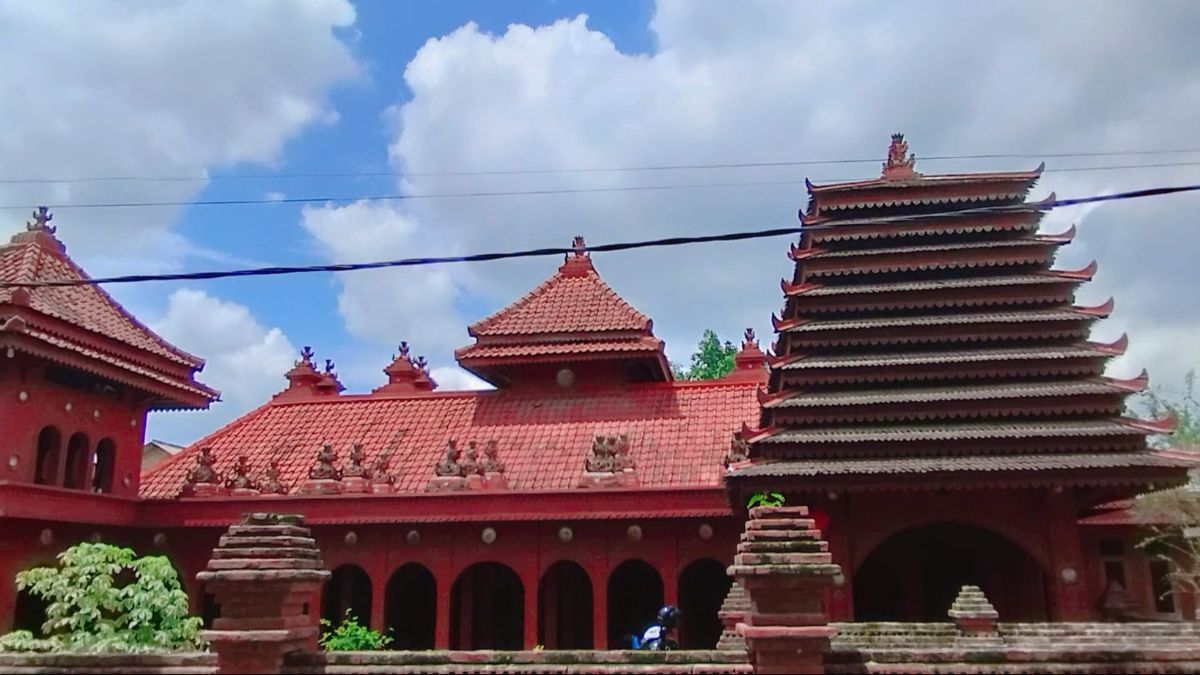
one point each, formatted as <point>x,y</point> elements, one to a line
<point>530,583</point>
<point>841,598</point>
<point>599,607</point>
<point>1068,596</point>
<point>378,597</point>
<point>441,634</point>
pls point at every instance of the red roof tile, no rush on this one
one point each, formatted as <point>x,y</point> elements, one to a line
<point>679,433</point>
<point>574,300</point>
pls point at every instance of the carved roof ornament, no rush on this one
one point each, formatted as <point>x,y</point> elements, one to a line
<point>491,462</point>
<point>579,246</point>
<point>241,480</point>
<point>450,464</point>
<point>270,484</point>
<point>203,472</point>
<point>900,164</point>
<point>739,449</point>
<point>41,221</point>
<point>306,358</point>
<point>610,454</point>
<point>381,468</point>
<point>748,339</point>
<point>403,350</point>
<point>470,463</point>
<point>354,464</point>
<point>324,468</point>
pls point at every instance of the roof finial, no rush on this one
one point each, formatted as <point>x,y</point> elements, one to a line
<point>899,162</point>
<point>329,366</point>
<point>306,357</point>
<point>579,246</point>
<point>41,221</point>
<point>404,349</point>
<point>748,338</point>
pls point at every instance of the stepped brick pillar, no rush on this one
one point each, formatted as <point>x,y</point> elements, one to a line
<point>785,568</point>
<point>733,611</point>
<point>974,616</point>
<point>264,574</point>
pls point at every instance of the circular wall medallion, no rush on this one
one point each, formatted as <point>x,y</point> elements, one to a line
<point>565,378</point>
<point>351,538</point>
<point>839,579</point>
<point>127,480</point>
<point>488,536</point>
<point>160,540</point>
<point>634,533</point>
<point>46,537</point>
<point>96,414</point>
<point>413,537</point>
<point>133,422</point>
<point>23,396</point>
<point>13,461</point>
<point>67,407</point>
<point>1069,575</point>
<point>706,531</point>
<point>565,534</point>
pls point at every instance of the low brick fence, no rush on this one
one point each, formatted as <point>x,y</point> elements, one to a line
<point>182,663</point>
<point>709,662</point>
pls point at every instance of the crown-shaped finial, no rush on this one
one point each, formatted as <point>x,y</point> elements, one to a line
<point>41,221</point>
<point>578,244</point>
<point>899,162</point>
<point>306,357</point>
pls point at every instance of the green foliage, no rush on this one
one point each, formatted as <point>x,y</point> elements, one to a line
<point>1158,402</point>
<point>103,598</point>
<point>351,636</point>
<point>713,359</point>
<point>765,499</point>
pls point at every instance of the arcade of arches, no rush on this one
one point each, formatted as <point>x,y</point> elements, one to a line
<point>78,466</point>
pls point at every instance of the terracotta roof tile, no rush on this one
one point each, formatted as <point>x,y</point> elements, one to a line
<point>954,319</point>
<point>945,357</point>
<point>956,431</point>
<point>566,347</point>
<point>574,300</point>
<point>937,284</point>
<point>679,433</point>
<point>982,392</point>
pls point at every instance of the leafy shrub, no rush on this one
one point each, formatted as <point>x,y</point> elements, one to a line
<point>765,499</point>
<point>351,636</point>
<point>103,598</point>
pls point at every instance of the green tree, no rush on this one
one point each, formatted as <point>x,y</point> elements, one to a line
<point>1183,403</point>
<point>713,359</point>
<point>104,598</point>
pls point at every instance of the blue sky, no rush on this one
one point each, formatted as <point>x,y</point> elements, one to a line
<point>197,88</point>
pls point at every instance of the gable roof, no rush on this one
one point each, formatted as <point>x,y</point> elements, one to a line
<point>87,322</point>
<point>679,434</point>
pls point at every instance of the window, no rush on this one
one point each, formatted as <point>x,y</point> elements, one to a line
<point>1112,552</point>
<point>104,463</point>
<point>1160,585</point>
<point>46,468</point>
<point>78,455</point>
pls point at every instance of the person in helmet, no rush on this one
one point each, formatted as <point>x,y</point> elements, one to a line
<point>663,634</point>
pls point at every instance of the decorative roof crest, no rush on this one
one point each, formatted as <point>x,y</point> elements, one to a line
<point>203,471</point>
<point>324,469</point>
<point>241,480</point>
<point>306,358</point>
<point>579,245</point>
<point>492,463</point>
<point>354,462</point>
<point>41,221</point>
<point>739,449</point>
<point>450,463</point>
<point>900,163</point>
<point>270,484</point>
<point>748,339</point>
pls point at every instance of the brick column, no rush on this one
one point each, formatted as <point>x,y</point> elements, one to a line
<point>263,573</point>
<point>733,611</point>
<point>785,568</point>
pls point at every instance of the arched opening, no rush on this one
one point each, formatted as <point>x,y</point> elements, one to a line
<point>210,610</point>
<point>46,468</point>
<point>103,466</point>
<point>410,607</point>
<point>565,607</point>
<point>78,454</point>
<point>487,608</point>
<point>703,586</point>
<point>348,589</point>
<point>635,594</point>
<point>916,574</point>
<point>30,613</point>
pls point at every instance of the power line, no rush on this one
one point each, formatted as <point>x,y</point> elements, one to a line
<point>578,170</point>
<point>519,193</point>
<point>602,248</point>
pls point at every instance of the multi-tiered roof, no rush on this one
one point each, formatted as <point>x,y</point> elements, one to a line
<point>926,332</point>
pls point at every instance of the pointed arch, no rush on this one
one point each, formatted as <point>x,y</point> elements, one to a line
<point>49,444</point>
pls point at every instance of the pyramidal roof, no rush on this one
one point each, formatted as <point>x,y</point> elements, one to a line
<point>571,315</point>
<point>83,326</point>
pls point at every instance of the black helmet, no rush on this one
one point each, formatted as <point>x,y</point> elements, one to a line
<point>668,616</point>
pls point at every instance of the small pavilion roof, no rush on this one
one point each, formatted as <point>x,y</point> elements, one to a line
<point>573,315</point>
<point>86,322</point>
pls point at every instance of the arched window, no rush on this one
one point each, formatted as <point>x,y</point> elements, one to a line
<point>46,468</point>
<point>78,454</point>
<point>348,590</point>
<point>410,607</point>
<point>103,465</point>
<point>487,608</point>
<point>565,607</point>
<point>703,586</point>
<point>635,594</point>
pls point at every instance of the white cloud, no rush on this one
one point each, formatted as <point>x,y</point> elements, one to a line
<point>244,360</point>
<point>123,88</point>
<point>781,81</point>
<point>453,378</point>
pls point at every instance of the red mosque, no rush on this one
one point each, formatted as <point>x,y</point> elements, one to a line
<point>932,395</point>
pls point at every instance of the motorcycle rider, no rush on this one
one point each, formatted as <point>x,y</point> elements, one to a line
<point>663,634</point>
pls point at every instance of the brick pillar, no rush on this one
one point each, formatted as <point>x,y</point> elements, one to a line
<point>263,573</point>
<point>785,568</point>
<point>1068,590</point>
<point>975,618</point>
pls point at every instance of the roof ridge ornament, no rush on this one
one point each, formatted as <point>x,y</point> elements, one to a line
<point>41,221</point>
<point>900,164</point>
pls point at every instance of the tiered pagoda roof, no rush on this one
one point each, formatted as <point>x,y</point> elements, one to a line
<point>82,327</point>
<point>926,336</point>
<point>572,316</point>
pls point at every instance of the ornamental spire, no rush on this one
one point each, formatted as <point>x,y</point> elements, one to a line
<point>900,163</point>
<point>41,221</point>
